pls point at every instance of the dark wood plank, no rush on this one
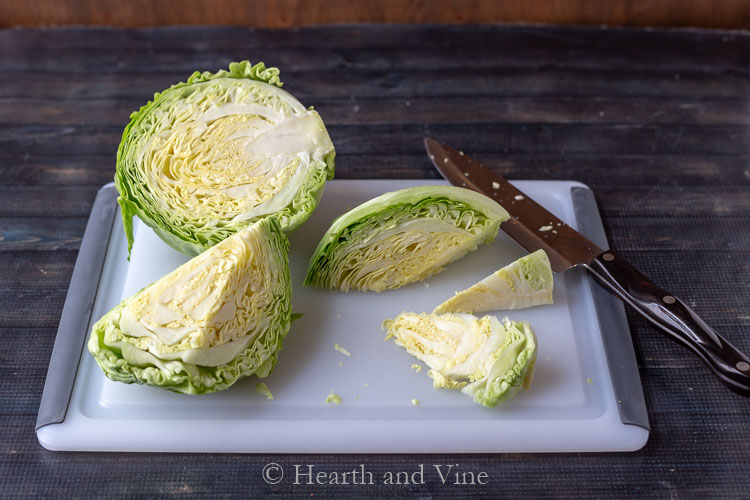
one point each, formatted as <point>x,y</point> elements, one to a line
<point>24,357</point>
<point>33,286</point>
<point>41,233</point>
<point>467,48</point>
<point>309,86</point>
<point>48,202</point>
<point>31,169</point>
<point>401,138</point>
<point>445,109</point>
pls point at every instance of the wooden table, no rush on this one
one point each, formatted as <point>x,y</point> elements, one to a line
<point>656,122</point>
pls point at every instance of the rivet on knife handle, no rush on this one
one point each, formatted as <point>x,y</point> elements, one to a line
<point>675,318</point>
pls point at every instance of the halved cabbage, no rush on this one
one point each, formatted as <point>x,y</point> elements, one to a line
<point>488,360</point>
<point>524,283</point>
<point>210,156</point>
<point>218,317</point>
<point>403,236</point>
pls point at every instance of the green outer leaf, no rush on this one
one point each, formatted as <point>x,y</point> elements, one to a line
<point>512,370</point>
<point>291,216</point>
<point>394,204</point>
<point>258,359</point>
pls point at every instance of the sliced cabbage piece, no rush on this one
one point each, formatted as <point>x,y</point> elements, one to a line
<point>524,283</point>
<point>403,236</point>
<point>488,360</point>
<point>218,317</point>
<point>210,156</point>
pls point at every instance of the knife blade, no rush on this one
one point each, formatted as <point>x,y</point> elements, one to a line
<point>534,228</point>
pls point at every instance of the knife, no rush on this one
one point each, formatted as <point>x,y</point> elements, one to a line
<point>534,228</point>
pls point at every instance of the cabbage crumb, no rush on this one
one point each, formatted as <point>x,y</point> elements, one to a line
<point>333,398</point>
<point>414,402</point>
<point>417,368</point>
<point>263,389</point>
<point>341,350</point>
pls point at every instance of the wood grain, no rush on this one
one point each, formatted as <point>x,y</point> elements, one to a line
<point>653,120</point>
<point>289,13</point>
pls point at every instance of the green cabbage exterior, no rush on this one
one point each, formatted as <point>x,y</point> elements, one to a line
<point>219,317</point>
<point>524,283</point>
<point>403,236</point>
<point>488,360</point>
<point>210,156</point>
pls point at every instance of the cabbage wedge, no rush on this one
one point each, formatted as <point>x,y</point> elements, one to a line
<point>488,360</point>
<point>210,156</point>
<point>401,237</point>
<point>524,283</point>
<point>218,317</point>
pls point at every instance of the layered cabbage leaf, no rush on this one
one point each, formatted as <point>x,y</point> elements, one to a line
<point>218,317</point>
<point>210,156</point>
<point>488,360</point>
<point>524,283</point>
<point>401,237</point>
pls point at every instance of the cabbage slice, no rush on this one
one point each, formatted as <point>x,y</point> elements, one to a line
<point>524,283</point>
<point>488,360</point>
<point>218,317</point>
<point>210,156</point>
<point>401,237</point>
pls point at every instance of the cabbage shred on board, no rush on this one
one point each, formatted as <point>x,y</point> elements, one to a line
<point>210,156</point>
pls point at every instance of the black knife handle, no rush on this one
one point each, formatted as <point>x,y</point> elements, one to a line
<point>675,318</point>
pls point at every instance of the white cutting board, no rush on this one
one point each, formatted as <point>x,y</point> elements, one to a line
<point>570,406</point>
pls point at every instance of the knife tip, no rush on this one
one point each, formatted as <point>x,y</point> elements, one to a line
<point>430,143</point>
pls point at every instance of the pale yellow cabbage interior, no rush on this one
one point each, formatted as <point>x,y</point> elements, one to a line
<point>231,149</point>
<point>201,312</point>
<point>456,346</point>
<point>408,252</point>
<point>523,283</point>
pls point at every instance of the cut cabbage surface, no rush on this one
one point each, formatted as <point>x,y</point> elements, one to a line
<point>210,156</point>
<point>401,237</point>
<point>218,317</point>
<point>488,360</point>
<point>524,283</point>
